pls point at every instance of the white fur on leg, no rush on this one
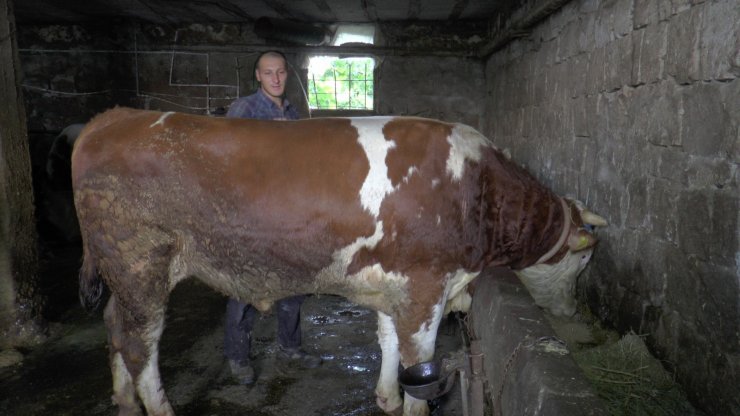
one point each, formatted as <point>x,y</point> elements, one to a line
<point>124,394</point>
<point>386,391</point>
<point>414,407</point>
<point>149,384</point>
<point>425,337</point>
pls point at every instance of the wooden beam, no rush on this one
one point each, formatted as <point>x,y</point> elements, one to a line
<point>20,301</point>
<point>522,26</point>
<point>458,9</point>
<point>414,10</point>
<point>324,8</point>
<point>368,6</point>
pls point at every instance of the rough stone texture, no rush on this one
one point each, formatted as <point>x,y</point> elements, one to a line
<point>643,125</point>
<point>73,72</point>
<point>529,372</point>
<point>428,87</point>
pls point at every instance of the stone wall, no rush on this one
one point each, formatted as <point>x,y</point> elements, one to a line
<point>72,72</point>
<point>633,106</point>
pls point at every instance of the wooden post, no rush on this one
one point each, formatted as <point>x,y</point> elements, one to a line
<point>20,302</point>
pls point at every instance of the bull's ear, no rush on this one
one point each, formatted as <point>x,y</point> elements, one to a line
<point>581,241</point>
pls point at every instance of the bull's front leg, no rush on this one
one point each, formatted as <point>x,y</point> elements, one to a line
<point>387,390</point>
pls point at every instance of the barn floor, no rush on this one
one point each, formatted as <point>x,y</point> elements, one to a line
<point>70,375</point>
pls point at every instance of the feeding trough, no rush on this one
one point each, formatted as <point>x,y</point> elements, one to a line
<point>432,379</point>
<point>428,380</point>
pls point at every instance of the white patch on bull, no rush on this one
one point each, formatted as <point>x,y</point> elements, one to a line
<point>410,172</point>
<point>439,220</point>
<point>370,286</point>
<point>386,391</point>
<point>123,388</point>
<point>552,285</point>
<point>435,183</point>
<point>465,144</point>
<point>377,184</point>
<point>424,338</point>
<point>162,118</point>
<point>458,299</point>
<point>149,384</point>
<point>344,256</point>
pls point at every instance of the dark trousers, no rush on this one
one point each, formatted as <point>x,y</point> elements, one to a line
<point>240,320</point>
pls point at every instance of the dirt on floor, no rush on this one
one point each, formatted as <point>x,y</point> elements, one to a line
<point>69,375</point>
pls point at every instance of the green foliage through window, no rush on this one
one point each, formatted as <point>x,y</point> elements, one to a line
<point>340,84</point>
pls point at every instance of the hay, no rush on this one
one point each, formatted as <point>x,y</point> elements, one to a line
<point>632,382</point>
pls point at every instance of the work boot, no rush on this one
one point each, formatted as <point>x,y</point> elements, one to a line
<point>298,356</point>
<point>243,373</point>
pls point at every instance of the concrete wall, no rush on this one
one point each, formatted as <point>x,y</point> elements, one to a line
<point>633,106</point>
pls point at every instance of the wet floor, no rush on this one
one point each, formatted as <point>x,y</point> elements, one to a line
<point>69,375</point>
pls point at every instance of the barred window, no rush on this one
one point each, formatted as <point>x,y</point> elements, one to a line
<point>340,83</point>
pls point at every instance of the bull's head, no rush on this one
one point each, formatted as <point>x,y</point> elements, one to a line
<point>551,281</point>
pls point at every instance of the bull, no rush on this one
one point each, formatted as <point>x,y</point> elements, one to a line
<point>396,214</point>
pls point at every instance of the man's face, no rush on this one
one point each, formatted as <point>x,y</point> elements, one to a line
<point>272,74</point>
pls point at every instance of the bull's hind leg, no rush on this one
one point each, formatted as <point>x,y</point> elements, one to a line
<point>134,339</point>
<point>124,391</point>
<point>387,390</point>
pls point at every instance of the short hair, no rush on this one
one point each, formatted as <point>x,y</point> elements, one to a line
<point>271,52</point>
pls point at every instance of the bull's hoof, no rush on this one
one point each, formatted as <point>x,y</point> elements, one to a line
<point>389,408</point>
<point>398,411</point>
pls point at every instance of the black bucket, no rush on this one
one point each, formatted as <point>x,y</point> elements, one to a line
<point>427,380</point>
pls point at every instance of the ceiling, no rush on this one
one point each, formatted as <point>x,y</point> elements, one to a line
<point>236,11</point>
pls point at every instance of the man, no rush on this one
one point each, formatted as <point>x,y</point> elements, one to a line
<point>268,103</point>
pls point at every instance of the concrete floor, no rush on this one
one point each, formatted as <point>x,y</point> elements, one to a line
<point>69,375</point>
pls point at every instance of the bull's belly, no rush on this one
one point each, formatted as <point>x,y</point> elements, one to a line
<point>262,281</point>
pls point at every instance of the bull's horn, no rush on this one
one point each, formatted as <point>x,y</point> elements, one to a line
<point>589,217</point>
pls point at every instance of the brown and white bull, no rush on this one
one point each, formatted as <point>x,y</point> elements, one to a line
<point>396,214</point>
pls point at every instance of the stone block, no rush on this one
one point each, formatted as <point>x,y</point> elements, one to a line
<point>706,127</point>
<point>648,53</point>
<point>586,37</point>
<point>719,57</point>
<point>682,56</point>
<point>618,63</point>
<point>602,25</point>
<point>654,114</point>
<point>621,17</point>
<point>663,210</point>
<point>583,116</point>
<point>637,197</point>
<point>588,6</point>
<point>648,12</point>
<point>671,164</point>
<point>710,173</point>
<point>568,45</point>
<point>708,225</point>
<point>596,71</point>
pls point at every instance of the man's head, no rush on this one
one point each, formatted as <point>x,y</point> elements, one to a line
<point>271,72</point>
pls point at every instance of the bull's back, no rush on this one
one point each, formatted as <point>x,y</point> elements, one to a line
<point>274,195</point>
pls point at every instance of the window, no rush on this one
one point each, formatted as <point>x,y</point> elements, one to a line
<point>340,83</point>
<point>336,83</point>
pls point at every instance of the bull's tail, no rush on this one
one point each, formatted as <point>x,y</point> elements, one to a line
<point>91,284</point>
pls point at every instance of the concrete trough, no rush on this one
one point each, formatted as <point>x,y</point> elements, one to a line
<point>528,369</point>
